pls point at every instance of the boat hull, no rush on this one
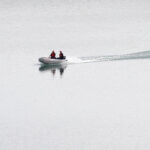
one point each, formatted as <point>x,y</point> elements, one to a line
<point>49,61</point>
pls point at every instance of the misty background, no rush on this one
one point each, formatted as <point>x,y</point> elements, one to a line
<point>98,101</point>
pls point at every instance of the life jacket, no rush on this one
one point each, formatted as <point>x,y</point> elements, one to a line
<point>53,55</point>
<point>61,56</point>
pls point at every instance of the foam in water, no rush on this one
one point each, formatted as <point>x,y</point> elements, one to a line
<point>74,60</point>
<point>138,55</point>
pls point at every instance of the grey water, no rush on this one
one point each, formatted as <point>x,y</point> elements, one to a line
<point>100,100</point>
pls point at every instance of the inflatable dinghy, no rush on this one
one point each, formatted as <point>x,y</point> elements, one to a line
<point>50,61</point>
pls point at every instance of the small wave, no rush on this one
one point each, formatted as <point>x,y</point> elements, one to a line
<point>74,60</point>
<point>138,55</point>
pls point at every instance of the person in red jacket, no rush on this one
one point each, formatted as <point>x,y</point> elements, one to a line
<point>53,55</point>
<point>61,55</point>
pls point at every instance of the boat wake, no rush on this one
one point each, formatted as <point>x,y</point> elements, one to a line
<point>79,60</point>
<point>90,59</point>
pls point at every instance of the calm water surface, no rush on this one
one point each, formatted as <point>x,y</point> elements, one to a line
<point>82,106</point>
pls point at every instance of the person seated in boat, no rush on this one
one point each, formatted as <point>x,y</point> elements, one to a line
<point>61,55</point>
<point>53,55</point>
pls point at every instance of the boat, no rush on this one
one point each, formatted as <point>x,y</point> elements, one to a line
<point>50,61</point>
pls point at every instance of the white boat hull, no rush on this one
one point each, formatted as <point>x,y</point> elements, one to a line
<point>49,61</point>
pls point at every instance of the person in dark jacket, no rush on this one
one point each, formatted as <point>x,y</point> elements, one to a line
<point>53,55</point>
<point>61,55</point>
